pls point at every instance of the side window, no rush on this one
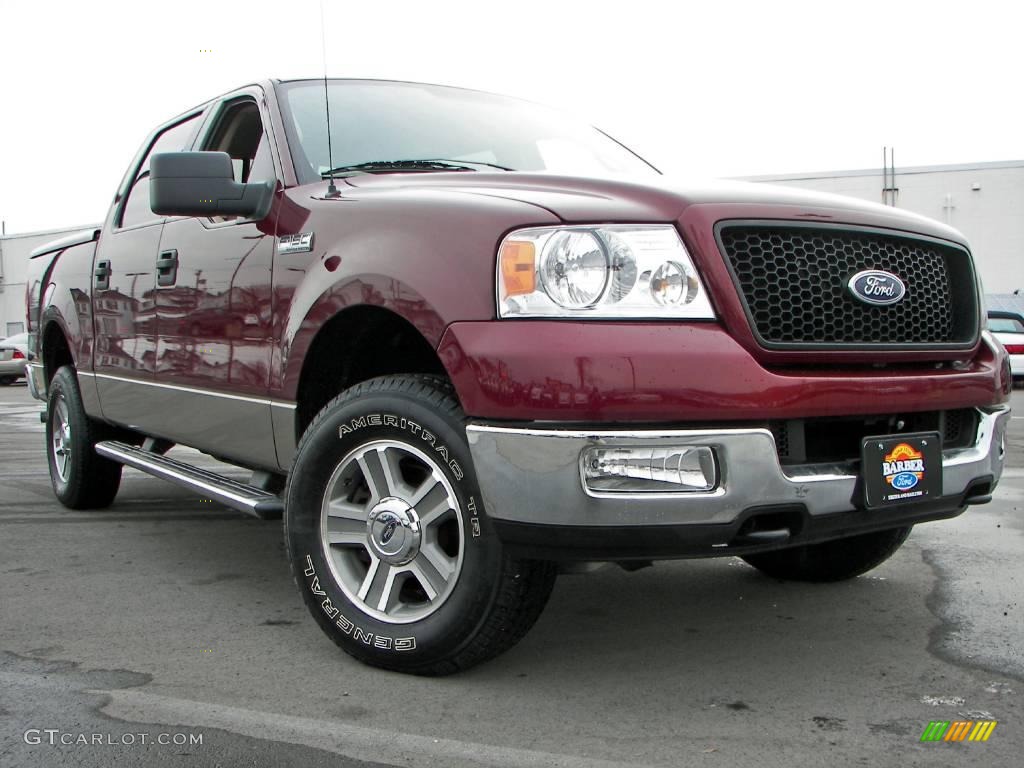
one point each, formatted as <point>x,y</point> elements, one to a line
<point>136,208</point>
<point>239,132</point>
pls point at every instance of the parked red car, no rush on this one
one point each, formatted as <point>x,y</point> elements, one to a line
<point>462,341</point>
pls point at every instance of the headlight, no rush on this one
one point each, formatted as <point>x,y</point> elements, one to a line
<point>612,271</point>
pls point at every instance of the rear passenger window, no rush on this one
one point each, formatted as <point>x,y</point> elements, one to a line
<point>174,139</point>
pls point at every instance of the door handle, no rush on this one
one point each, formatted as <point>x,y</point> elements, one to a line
<point>102,274</point>
<point>167,268</point>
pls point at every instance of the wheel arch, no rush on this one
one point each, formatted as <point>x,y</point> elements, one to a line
<point>356,344</point>
<point>56,348</point>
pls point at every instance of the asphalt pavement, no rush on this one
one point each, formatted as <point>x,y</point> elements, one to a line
<point>166,631</point>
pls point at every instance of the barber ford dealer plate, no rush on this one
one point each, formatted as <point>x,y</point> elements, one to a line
<point>901,468</point>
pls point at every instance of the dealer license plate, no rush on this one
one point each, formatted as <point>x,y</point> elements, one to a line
<point>899,469</point>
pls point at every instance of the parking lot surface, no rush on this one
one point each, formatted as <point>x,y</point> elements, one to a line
<point>167,615</point>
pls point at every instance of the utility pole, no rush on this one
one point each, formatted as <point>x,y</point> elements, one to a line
<point>890,192</point>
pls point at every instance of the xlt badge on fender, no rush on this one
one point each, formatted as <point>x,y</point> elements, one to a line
<point>299,243</point>
<point>873,286</point>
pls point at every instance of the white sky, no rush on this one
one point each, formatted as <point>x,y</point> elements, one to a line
<point>716,88</point>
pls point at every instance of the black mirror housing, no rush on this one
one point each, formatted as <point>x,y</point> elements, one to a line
<point>203,184</point>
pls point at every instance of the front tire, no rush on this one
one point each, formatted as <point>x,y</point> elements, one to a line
<point>388,539</point>
<point>81,478</point>
<point>831,560</point>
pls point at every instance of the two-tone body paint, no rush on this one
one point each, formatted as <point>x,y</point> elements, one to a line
<point>423,246</point>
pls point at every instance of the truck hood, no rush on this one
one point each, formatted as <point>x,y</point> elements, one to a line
<point>581,199</point>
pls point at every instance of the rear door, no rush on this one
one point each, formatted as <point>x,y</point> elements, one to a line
<point>213,299</point>
<point>124,289</point>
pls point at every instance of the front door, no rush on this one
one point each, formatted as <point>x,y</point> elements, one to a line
<point>214,307</point>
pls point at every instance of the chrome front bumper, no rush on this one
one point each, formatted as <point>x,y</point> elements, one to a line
<point>532,476</point>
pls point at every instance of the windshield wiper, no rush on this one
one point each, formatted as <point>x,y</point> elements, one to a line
<point>398,166</point>
<point>384,166</point>
<point>476,162</point>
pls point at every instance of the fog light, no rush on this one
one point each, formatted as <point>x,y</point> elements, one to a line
<point>667,469</point>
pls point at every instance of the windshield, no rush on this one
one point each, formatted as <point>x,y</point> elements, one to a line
<point>1005,325</point>
<point>382,122</point>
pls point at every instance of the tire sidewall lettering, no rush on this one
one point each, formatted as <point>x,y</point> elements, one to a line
<point>360,634</point>
<point>413,427</point>
<point>347,626</point>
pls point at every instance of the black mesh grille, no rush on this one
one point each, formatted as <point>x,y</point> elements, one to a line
<point>794,279</point>
<point>959,425</point>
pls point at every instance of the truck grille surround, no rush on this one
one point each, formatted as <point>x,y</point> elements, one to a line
<point>793,278</point>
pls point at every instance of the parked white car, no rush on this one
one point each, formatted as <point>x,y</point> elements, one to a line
<point>13,356</point>
<point>1008,328</point>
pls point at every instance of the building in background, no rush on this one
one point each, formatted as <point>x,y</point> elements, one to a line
<point>14,252</point>
<point>985,201</point>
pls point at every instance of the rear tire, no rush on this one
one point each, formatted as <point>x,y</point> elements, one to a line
<point>6,381</point>
<point>81,478</point>
<point>388,539</point>
<point>831,560</point>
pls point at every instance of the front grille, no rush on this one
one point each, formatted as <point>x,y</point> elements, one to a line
<point>838,439</point>
<point>793,282</point>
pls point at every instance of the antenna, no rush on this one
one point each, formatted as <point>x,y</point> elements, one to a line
<point>332,191</point>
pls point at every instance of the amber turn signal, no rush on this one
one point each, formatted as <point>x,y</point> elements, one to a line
<point>518,270</point>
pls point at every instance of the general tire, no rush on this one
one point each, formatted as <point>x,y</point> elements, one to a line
<point>413,425</point>
<point>831,560</point>
<point>81,478</point>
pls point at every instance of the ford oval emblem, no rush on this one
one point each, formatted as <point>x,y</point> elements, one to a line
<point>873,286</point>
<point>904,481</point>
<point>389,531</point>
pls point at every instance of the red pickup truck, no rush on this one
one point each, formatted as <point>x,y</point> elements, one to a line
<point>463,342</point>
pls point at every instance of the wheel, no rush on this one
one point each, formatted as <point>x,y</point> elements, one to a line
<point>832,560</point>
<point>81,479</point>
<point>388,539</point>
<point>6,381</point>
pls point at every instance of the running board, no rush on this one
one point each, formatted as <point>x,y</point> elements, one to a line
<point>244,498</point>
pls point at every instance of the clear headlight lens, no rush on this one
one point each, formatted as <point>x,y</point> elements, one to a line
<point>574,269</point>
<point>613,271</point>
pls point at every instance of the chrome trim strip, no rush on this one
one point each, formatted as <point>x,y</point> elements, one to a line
<point>194,390</point>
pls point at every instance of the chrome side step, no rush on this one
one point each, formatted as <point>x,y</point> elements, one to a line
<point>244,498</point>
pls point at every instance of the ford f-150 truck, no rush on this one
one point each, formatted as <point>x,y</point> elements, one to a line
<point>463,342</point>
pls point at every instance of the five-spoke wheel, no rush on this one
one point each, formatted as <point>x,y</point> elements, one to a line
<point>81,478</point>
<point>388,536</point>
<point>392,526</point>
<point>60,441</point>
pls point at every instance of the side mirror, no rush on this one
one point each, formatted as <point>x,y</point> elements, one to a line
<point>203,184</point>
